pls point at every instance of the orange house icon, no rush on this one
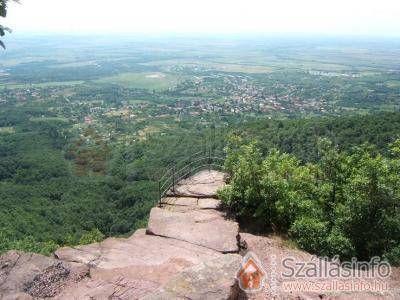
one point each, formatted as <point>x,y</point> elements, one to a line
<point>251,275</point>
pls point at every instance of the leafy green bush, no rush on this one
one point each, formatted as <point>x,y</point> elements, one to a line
<point>310,234</point>
<point>93,236</point>
<point>393,256</point>
<point>343,205</point>
<point>27,244</point>
<point>336,243</point>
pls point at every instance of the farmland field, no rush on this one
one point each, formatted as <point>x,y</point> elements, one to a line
<point>156,81</point>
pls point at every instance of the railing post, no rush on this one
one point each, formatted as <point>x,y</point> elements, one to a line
<point>209,160</point>
<point>190,164</point>
<point>173,179</point>
<point>159,193</point>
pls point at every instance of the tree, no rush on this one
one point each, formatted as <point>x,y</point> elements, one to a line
<point>3,14</point>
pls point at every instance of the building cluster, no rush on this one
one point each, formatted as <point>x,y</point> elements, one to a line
<point>220,93</point>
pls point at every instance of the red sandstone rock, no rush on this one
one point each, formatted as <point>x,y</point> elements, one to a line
<point>210,280</point>
<point>204,184</point>
<point>25,275</point>
<point>196,227</point>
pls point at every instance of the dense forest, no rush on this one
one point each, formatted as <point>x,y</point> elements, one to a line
<point>61,189</point>
<point>300,136</point>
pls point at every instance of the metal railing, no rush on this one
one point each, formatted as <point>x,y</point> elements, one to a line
<point>205,159</point>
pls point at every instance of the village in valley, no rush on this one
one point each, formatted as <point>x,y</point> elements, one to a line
<point>127,97</point>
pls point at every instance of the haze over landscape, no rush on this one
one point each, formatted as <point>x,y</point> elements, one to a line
<point>357,17</point>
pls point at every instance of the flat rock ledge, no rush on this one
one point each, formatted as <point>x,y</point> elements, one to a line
<point>204,184</point>
<point>191,214</point>
<point>210,230</point>
<point>131,268</point>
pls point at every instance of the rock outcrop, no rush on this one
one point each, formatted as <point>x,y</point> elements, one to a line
<point>182,254</point>
<point>28,276</point>
<point>190,250</point>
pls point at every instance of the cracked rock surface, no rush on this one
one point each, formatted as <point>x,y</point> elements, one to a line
<point>210,280</point>
<point>33,276</point>
<point>210,230</point>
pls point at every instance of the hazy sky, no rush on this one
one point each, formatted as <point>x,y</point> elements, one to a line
<point>355,17</point>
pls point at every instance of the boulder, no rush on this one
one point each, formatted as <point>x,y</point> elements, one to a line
<point>210,280</point>
<point>210,230</point>
<point>81,254</point>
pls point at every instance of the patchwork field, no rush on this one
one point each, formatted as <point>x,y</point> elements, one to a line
<point>38,85</point>
<point>156,81</point>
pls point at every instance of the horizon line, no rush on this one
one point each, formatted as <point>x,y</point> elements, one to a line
<point>24,33</point>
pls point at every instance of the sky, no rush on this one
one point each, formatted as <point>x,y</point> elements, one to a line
<point>338,17</point>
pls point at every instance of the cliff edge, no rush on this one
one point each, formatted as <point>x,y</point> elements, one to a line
<point>190,250</point>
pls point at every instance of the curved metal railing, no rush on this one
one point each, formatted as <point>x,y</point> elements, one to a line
<point>205,159</point>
